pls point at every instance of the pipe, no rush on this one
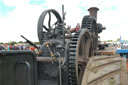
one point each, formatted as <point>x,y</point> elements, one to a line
<point>93,12</point>
<point>48,59</point>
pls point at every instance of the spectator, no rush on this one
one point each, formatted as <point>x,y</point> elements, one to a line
<point>1,48</point>
<point>10,47</point>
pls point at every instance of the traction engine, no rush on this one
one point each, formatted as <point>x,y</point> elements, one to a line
<point>64,55</point>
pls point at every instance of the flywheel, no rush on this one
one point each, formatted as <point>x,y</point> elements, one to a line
<point>48,20</point>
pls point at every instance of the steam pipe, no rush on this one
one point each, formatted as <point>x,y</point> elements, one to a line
<point>93,12</point>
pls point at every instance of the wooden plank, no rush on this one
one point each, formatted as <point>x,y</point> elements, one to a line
<point>105,52</point>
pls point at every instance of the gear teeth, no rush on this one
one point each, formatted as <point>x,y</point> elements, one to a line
<point>72,54</point>
<point>71,66</point>
<point>73,79</point>
<point>72,46</point>
<point>73,42</point>
<point>73,83</point>
<point>87,23</point>
<point>71,71</point>
<point>73,50</point>
<point>72,59</point>
<point>74,39</point>
<point>75,36</point>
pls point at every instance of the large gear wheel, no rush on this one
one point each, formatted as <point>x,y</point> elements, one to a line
<point>79,49</point>
<point>89,23</point>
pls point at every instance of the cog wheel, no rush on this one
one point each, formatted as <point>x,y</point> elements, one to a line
<point>79,49</point>
<point>89,23</point>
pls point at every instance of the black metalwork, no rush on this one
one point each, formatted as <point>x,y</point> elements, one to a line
<point>18,68</point>
<point>89,23</point>
<point>28,41</point>
<point>78,55</point>
<point>75,54</point>
<point>75,51</point>
<point>48,32</point>
<point>61,60</point>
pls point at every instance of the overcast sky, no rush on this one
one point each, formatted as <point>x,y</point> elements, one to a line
<point>20,17</point>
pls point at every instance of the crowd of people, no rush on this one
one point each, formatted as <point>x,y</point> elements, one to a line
<point>7,47</point>
<point>113,46</point>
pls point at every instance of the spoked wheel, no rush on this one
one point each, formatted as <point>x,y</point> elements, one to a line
<point>78,56</point>
<point>45,23</point>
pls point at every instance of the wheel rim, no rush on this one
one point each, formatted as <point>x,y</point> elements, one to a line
<point>41,23</point>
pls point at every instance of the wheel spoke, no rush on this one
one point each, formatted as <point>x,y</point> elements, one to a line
<point>49,21</point>
<point>56,22</point>
<point>45,28</point>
